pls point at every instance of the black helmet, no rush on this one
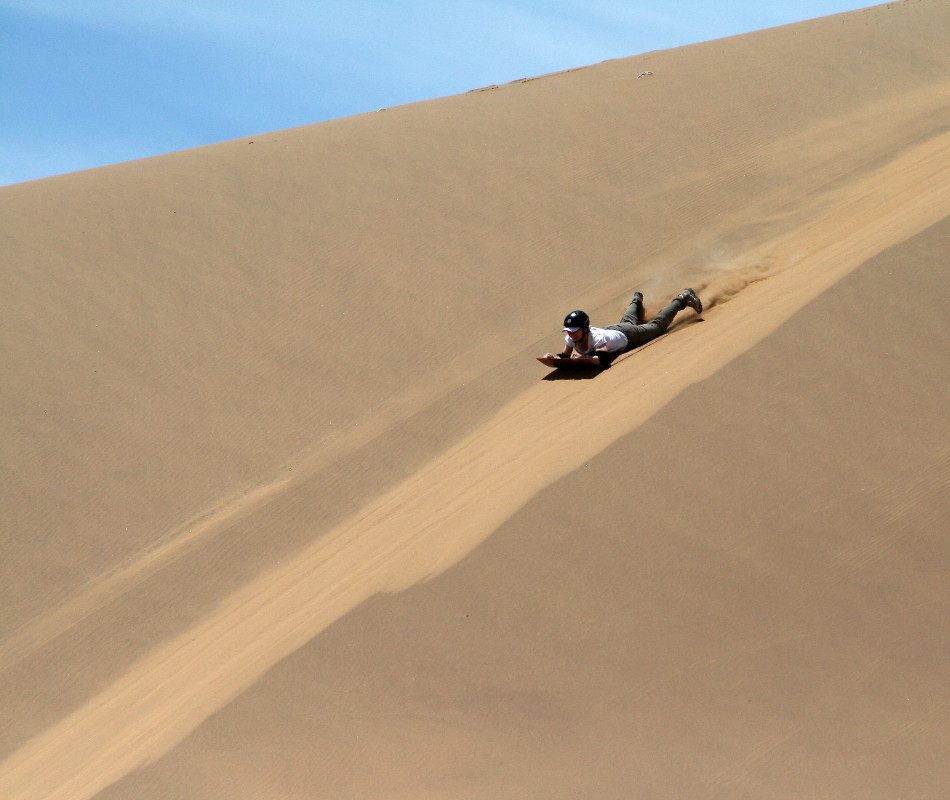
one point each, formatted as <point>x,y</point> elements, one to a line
<point>576,320</point>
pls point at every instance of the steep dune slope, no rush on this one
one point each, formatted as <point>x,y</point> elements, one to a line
<point>744,597</point>
<point>247,387</point>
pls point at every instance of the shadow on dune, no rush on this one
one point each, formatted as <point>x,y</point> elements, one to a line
<point>578,375</point>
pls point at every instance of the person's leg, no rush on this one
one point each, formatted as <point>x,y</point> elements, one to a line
<point>641,334</point>
<point>634,313</point>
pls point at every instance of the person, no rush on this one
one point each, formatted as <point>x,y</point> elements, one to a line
<point>598,347</point>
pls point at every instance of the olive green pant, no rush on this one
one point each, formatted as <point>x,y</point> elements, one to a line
<point>636,331</point>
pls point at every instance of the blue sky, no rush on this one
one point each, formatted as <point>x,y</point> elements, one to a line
<point>94,82</point>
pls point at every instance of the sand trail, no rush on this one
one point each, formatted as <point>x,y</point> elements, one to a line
<point>864,218</point>
<point>433,519</point>
<point>35,635</point>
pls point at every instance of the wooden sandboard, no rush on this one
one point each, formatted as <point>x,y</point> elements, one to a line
<point>564,363</point>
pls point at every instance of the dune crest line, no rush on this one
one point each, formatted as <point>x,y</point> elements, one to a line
<point>40,632</point>
<point>177,543</point>
<point>433,519</point>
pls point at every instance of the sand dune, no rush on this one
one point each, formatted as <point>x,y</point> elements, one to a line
<point>290,510</point>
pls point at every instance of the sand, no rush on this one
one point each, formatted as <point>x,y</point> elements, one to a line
<point>290,510</point>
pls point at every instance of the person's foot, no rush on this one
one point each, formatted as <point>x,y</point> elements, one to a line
<point>691,299</point>
<point>637,298</point>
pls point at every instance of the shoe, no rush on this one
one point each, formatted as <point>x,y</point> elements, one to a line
<point>691,299</point>
<point>637,298</point>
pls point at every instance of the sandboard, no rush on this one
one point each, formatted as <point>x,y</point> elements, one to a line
<point>564,363</point>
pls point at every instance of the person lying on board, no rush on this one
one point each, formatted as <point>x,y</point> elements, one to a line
<point>587,346</point>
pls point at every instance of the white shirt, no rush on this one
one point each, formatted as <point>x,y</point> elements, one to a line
<point>609,341</point>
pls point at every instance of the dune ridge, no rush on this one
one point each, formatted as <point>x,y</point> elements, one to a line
<point>219,483</point>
